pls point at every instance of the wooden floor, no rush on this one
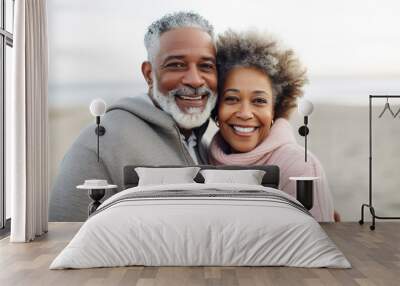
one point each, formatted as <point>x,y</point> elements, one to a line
<point>374,255</point>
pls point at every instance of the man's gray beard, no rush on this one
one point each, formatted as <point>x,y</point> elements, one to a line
<point>194,118</point>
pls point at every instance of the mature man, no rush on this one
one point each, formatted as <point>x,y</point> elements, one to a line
<point>163,127</point>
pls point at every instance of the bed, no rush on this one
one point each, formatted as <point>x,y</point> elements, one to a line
<point>201,223</point>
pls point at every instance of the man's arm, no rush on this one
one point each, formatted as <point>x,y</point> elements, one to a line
<point>66,202</point>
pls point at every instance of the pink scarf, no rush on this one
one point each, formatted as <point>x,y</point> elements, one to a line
<point>281,133</point>
<point>280,148</point>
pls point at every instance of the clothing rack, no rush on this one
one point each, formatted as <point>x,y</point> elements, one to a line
<point>370,206</point>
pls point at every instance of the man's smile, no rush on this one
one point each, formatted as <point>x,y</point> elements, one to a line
<point>185,102</point>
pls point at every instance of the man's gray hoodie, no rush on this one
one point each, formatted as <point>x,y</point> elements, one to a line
<point>137,133</point>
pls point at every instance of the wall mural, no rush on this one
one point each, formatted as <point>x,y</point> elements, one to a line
<point>96,52</point>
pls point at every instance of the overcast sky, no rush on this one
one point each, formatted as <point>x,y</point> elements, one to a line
<point>95,41</point>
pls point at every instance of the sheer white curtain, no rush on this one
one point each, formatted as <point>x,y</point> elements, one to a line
<point>27,123</point>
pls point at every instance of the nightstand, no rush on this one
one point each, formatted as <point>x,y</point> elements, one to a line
<point>96,192</point>
<point>304,190</point>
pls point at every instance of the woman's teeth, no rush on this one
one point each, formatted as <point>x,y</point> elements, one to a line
<point>244,129</point>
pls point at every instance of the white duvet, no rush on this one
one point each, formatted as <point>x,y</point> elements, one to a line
<point>207,230</point>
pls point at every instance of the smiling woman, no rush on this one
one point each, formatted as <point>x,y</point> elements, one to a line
<point>246,108</point>
<point>259,84</point>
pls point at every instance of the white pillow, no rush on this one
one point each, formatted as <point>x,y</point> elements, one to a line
<point>163,176</point>
<point>248,177</point>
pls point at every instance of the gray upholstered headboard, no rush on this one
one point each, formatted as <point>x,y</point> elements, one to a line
<point>270,179</point>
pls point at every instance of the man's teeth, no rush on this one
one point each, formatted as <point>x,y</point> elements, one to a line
<point>190,97</point>
<point>244,129</point>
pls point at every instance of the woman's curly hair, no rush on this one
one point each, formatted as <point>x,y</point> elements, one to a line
<point>262,51</point>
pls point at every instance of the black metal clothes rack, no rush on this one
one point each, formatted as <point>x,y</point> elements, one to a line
<point>370,206</point>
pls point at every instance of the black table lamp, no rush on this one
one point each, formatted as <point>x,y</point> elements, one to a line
<point>97,109</point>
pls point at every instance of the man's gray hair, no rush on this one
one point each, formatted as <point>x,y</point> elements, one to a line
<point>170,22</point>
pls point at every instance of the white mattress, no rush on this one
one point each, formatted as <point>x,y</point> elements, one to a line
<point>183,231</point>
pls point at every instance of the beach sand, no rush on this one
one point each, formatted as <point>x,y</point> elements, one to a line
<point>338,137</point>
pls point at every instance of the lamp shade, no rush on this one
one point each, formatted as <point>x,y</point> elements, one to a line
<point>305,107</point>
<point>98,107</point>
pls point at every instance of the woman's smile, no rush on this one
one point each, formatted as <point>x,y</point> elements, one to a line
<point>245,131</point>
